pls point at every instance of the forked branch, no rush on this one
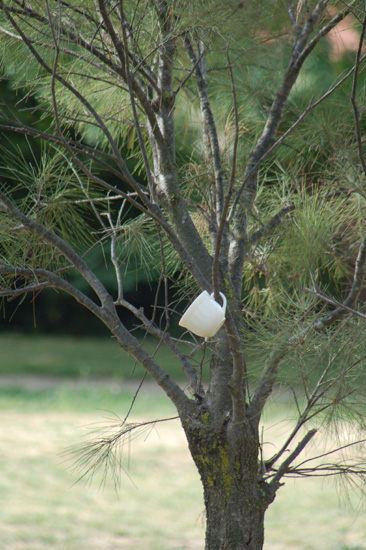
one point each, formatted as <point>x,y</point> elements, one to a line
<point>245,196</point>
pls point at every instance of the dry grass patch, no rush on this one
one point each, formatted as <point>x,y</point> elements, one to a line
<point>159,507</point>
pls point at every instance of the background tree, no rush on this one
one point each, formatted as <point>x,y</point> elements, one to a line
<point>246,168</point>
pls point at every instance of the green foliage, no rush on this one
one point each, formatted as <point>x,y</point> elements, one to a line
<point>258,57</point>
<point>307,250</point>
<point>312,157</point>
<point>53,192</point>
<point>303,251</point>
<point>137,241</point>
<point>101,89</point>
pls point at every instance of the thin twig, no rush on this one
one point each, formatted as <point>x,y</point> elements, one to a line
<point>129,79</point>
<point>152,329</point>
<point>275,482</point>
<point>223,220</point>
<point>358,277</point>
<point>334,302</point>
<point>354,99</point>
<point>274,222</point>
<point>211,141</point>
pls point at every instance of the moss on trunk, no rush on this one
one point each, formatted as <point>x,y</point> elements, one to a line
<point>236,498</point>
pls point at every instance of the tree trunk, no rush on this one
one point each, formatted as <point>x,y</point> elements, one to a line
<point>233,522</point>
<point>235,496</point>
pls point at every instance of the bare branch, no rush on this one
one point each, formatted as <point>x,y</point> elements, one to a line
<point>52,280</point>
<point>312,105</point>
<point>96,155</point>
<point>332,452</point>
<point>358,277</point>
<point>151,183</point>
<point>312,406</point>
<point>210,137</point>
<point>152,329</point>
<point>274,222</point>
<point>221,238</point>
<point>353,96</point>
<point>75,37</point>
<point>50,237</point>
<point>265,384</point>
<point>275,482</point>
<point>334,302</point>
<point>142,97</point>
<point>300,51</point>
<point>291,12</point>
<point>80,97</point>
<point>107,312</point>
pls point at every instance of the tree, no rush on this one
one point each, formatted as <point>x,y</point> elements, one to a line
<point>248,173</point>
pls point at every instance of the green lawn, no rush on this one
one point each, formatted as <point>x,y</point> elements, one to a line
<point>66,356</point>
<point>158,505</point>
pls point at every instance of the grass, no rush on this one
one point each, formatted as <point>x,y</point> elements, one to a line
<point>45,509</point>
<point>64,356</point>
<point>159,504</point>
<point>159,500</point>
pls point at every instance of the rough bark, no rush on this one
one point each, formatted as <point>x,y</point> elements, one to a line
<point>235,497</point>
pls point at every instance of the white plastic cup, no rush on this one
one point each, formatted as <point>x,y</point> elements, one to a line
<point>205,316</point>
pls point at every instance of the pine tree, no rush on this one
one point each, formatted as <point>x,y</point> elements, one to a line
<point>240,144</point>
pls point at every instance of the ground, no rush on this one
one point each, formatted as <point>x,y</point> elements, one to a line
<point>158,505</point>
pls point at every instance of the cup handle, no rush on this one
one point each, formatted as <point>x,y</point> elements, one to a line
<point>223,307</point>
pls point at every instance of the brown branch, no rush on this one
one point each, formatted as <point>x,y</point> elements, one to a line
<point>52,238</point>
<point>140,94</point>
<point>154,212</point>
<point>275,482</point>
<point>129,80</point>
<point>236,384</point>
<point>353,97</point>
<point>269,376</point>
<point>130,344</point>
<point>302,420</point>
<point>358,277</point>
<point>322,386</point>
<point>76,38</point>
<point>52,281</point>
<point>274,222</point>
<point>334,302</point>
<point>333,451</point>
<point>329,470</point>
<point>223,220</point>
<point>211,142</point>
<point>152,329</point>
<point>81,98</point>
<point>106,313</point>
<point>187,251</point>
<point>265,384</point>
<point>312,105</point>
<point>300,51</point>
<point>190,73</point>
<point>74,147</point>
